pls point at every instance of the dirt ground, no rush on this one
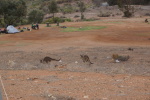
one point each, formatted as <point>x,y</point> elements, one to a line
<point>25,78</point>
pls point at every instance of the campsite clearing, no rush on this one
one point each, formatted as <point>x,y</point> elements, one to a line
<point>26,78</point>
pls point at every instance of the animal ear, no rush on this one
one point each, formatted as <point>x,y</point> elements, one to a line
<point>41,61</point>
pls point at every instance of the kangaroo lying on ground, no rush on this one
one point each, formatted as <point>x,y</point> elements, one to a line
<point>86,58</point>
<point>48,59</point>
<point>146,20</point>
<point>120,58</point>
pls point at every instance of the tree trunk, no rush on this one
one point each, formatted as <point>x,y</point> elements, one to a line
<point>82,16</point>
<point>53,15</point>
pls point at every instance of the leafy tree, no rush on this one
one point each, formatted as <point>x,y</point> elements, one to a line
<point>35,16</point>
<point>67,8</point>
<point>82,8</point>
<point>13,11</point>
<point>126,7</point>
<point>53,8</point>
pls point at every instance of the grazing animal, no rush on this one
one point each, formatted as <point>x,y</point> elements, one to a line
<point>146,20</point>
<point>48,59</point>
<point>120,58</point>
<point>86,58</point>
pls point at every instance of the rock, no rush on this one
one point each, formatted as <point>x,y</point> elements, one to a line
<point>76,62</point>
<point>117,61</point>
<point>86,97</point>
<point>11,63</point>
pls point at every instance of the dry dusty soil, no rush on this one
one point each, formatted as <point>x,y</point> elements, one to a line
<point>25,78</point>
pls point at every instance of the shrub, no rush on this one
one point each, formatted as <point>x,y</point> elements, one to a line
<point>35,16</point>
<point>127,14</point>
<point>147,14</point>
<point>67,20</point>
<point>76,16</point>
<point>106,14</point>
<point>67,8</point>
<point>57,19</point>
<point>91,19</point>
<point>2,23</point>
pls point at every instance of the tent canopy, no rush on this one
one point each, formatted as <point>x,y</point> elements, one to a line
<point>12,29</point>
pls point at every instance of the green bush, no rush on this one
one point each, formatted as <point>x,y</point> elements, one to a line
<point>90,19</point>
<point>68,20</point>
<point>2,23</point>
<point>35,16</point>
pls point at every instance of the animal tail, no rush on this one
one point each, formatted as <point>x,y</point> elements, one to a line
<point>56,59</point>
<point>91,63</point>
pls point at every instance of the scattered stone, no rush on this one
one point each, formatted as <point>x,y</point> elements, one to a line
<point>60,60</point>
<point>32,79</point>
<point>121,86</point>
<point>11,63</point>
<point>76,62</point>
<point>104,98</point>
<point>86,97</point>
<point>117,61</point>
<point>60,66</point>
<point>108,57</point>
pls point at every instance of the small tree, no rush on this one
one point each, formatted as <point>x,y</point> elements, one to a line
<point>67,8</point>
<point>53,8</point>
<point>35,16</point>
<point>13,11</point>
<point>82,8</point>
<point>126,7</point>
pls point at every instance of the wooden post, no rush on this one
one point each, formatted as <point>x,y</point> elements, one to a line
<point>47,24</point>
<point>57,23</point>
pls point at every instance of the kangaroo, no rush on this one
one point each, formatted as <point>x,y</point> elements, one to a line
<point>86,58</point>
<point>48,59</point>
<point>146,20</point>
<point>120,58</point>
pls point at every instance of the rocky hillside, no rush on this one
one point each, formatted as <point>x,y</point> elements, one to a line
<point>41,4</point>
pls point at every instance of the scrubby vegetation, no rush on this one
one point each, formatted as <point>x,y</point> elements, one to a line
<point>19,12</point>
<point>12,11</point>
<point>76,29</point>
<point>35,16</point>
<point>57,19</point>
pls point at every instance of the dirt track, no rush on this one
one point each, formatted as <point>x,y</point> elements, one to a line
<point>21,69</point>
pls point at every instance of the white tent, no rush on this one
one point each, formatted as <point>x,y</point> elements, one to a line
<point>12,29</point>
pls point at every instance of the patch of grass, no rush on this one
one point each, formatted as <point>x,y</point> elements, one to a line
<point>143,34</point>
<point>86,28</point>
<point>3,42</point>
<point>22,44</point>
